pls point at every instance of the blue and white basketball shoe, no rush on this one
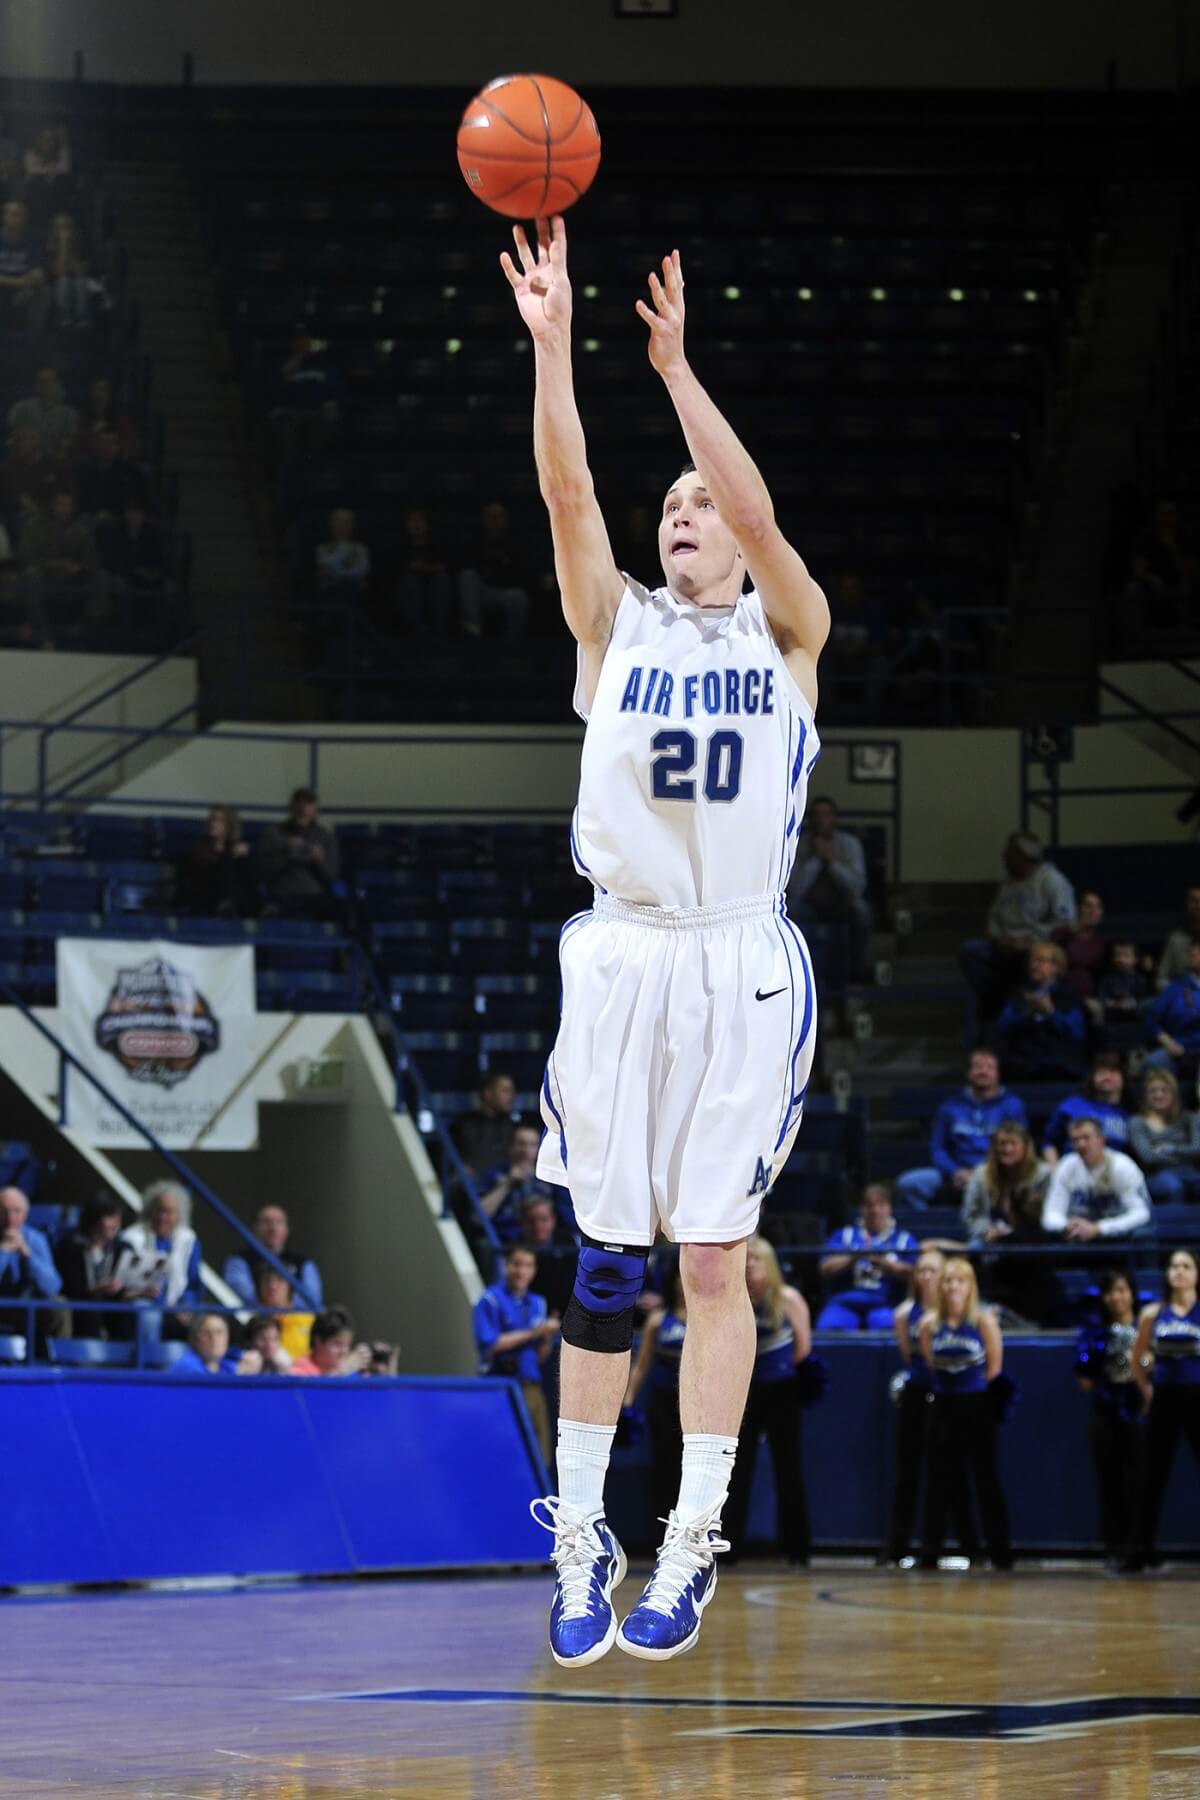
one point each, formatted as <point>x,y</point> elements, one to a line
<point>666,1620</point>
<point>588,1564</point>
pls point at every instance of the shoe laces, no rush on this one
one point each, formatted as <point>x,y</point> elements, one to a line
<point>687,1550</point>
<point>576,1547</point>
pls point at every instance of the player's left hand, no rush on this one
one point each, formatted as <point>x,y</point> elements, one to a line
<point>666,320</point>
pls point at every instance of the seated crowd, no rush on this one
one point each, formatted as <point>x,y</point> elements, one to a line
<point>150,1271</point>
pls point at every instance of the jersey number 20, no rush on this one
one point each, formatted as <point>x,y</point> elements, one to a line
<point>675,758</point>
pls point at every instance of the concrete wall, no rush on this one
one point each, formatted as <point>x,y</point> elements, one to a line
<point>38,687</point>
<point>858,43</point>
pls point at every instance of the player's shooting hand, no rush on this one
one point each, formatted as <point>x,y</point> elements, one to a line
<point>541,285</point>
<point>666,320</point>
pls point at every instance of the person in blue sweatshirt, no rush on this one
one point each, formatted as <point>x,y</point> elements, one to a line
<point>1173,1021</point>
<point>1103,1099</point>
<point>1042,1032</point>
<point>27,1268</point>
<point>963,1127</point>
<point>867,1266</point>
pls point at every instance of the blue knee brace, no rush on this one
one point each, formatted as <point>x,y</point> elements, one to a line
<point>600,1312</point>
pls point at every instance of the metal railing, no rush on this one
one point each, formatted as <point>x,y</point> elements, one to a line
<point>145,1319</point>
<point>182,1173</point>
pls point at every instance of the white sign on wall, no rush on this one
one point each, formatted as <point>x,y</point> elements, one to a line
<point>167,1028</point>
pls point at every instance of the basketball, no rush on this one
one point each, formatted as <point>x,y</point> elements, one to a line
<point>528,146</point>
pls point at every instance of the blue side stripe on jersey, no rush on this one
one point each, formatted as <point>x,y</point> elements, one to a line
<point>785,1102</point>
<point>799,762</point>
<point>797,1099</point>
<point>783,848</point>
<point>554,1112</point>
<point>816,759</point>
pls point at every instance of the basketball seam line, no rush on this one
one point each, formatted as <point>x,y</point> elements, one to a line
<point>546,124</point>
<point>504,118</point>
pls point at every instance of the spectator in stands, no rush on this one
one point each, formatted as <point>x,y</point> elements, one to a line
<point>1173,1020</point>
<point>47,413</point>
<point>272,1229</point>
<point>309,392</point>
<point>300,863</point>
<point>208,1351</point>
<point>554,1246</point>
<point>22,621</point>
<point>494,587</point>
<point>1084,945</point>
<point>22,278</point>
<point>867,1265</point>
<point>27,1268</point>
<point>515,1334</point>
<point>263,1336</point>
<point>29,477</point>
<point>60,550</point>
<point>163,1240</point>
<point>47,170</point>
<point>857,630</point>
<point>1166,1141</point>
<point>1034,900</point>
<point>1095,1191</point>
<point>93,1260</point>
<point>1003,1204</point>
<point>961,1341</point>
<point>1162,570</point>
<point>829,881</point>
<point>332,1350</point>
<point>342,563</point>
<point>504,1189</point>
<point>108,481</point>
<point>139,565</point>
<point>274,1292</point>
<point>216,877</point>
<point>1116,1439</point>
<point>1102,1099</point>
<point>1173,963</point>
<point>962,1133</point>
<point>1041,1033</point>
<point>69,277</point>
<point>423,586</point>
<point>102,411</point>
<point>1121,991</point>
<point>482,1136</point>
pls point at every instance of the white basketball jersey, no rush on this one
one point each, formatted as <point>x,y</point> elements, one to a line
<point>696,757</point>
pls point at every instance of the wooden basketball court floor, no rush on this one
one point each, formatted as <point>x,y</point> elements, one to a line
<point>836,1682</point>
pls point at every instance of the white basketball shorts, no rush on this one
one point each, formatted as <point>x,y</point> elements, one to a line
<point>673,1094</point>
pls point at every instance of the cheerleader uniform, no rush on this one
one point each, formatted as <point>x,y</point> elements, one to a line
<point>1174,1414</point>
<point>773,1408</point>
<point>662,1414</point>
<point>963,1442</point>
<point>1116,1437</point>
<point>913,1417</point>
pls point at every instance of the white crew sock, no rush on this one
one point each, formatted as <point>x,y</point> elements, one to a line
<point>582,1463</point>
<point>707,1467</point>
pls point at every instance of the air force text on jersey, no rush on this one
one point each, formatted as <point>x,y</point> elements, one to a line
<point>733,692</point>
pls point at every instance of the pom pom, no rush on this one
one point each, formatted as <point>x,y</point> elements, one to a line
<point>813,1379</point>
<point>897,1385</point>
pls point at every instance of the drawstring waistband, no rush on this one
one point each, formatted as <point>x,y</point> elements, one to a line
<point>688,918</point>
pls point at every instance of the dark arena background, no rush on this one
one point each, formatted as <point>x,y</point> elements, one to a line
<point>287,770</point>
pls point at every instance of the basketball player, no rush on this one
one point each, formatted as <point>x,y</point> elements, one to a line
<point>675,1087</point>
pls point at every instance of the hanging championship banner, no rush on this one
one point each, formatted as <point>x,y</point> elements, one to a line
<point>168,1029</point>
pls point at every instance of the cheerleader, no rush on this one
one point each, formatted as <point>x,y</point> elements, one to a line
<point>1166,1367</point>
<point>774,1405</point>
<point>962,1344</point>
<point>1116,1435</point>
<point>656,1369</point>
<point>913,1394</point>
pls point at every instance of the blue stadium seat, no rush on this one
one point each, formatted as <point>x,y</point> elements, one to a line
<point>445,1058</point>
<point>68,894</point>
<point>12,889</point>
<point>43,1217</point>
<point>450,1103</point>
<point>91,1353</point>
<point>521,1054</point>
<point>165,1355</point>
<point>518,1001</point>
<point>409,946</point>
<point>13,1347</point>
<point>431,1002</point>
<point>19,1167</point>
<point>486,946</point>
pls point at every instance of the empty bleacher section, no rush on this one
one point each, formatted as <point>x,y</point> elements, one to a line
<point>891,316</point>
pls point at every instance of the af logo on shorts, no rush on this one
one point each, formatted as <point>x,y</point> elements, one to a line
<point>762,1178</point>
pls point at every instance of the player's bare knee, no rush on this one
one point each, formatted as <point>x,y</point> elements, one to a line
<point>601,1311</point>
<point>712,1274</point>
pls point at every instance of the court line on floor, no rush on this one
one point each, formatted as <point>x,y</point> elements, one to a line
<point>791,1600</point>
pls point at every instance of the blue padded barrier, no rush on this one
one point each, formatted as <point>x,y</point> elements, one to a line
<point>381,1474</point>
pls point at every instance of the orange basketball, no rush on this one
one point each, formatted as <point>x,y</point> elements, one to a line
<point>528,146</point>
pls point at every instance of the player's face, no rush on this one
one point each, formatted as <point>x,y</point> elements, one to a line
<point>697,550</point>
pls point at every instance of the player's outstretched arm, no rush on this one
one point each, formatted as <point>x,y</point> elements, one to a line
<point>587,573</point>
<point>795,606</point>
